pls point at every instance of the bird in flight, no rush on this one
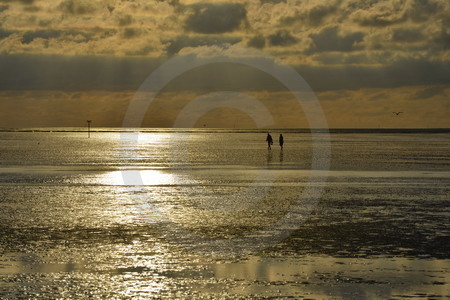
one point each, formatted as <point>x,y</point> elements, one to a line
<point>397,112</point>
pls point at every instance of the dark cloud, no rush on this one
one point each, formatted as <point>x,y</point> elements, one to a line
<point>318,13</point>
<point>76,7</point>
<point>124,20</point>
<point>82,36</point>
<point>404,72</point>
<point>215,18</point>
<point>27,72</point>
<point>5,33</point>
<point>282,38</point>
<point>224,77</point>
<point>421,10</point>
<point>73,73</point>
<point>20,1</point>
<point>45,23</point>
<point>175,45</point>
<point>379,20</point>
<point>407,35</point>
<point>140,51</point>
<point>386,13</point>
<point>353,5</point>
<point>428,92</point>
<point>258,42</point>
<point>110,8</point>
<point>129,33</point>
<point>329,39</point>
<point>272,1</point>
<point>378,13</point>
<point>443,40</point>
<point>313,16</point>
<point>29,36</point>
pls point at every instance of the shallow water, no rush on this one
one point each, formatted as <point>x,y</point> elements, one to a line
<point>214,214</point>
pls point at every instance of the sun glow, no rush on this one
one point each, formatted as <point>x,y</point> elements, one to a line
<point>149,177</point>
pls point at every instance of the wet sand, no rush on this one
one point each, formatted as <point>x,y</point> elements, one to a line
<point>72,230</point>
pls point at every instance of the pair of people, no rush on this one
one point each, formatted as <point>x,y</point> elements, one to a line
<point>269,141</point>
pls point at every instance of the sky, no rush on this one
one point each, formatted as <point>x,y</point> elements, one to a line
<point>65,61</point>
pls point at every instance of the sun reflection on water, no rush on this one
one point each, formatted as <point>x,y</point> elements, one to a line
<point>149,177</point>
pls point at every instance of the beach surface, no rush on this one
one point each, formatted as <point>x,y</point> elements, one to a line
<point>183,214</point>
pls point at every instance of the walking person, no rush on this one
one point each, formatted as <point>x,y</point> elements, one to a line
<point>281,141</point>
<point>269,141</point>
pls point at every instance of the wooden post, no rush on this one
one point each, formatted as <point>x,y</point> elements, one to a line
<point>89,127</point>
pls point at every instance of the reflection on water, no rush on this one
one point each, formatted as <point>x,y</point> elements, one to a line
<point>71,227</point>
<point>132,272</point>
<point>148,177</point>
<point>329,277</point>
<point>269,156</point>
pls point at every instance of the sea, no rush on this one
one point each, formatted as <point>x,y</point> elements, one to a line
<point>141,213</point>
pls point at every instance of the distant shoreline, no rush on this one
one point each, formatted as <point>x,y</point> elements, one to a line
<point>228,130</point>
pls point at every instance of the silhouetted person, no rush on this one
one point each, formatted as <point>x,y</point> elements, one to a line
<point>269,141</point>
<point>281,141</point>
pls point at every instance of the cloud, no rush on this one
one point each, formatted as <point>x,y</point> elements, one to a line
<point>73,73</point>
<point>443,40</point>
<point>182,41</point>
<point>77,7</point>
<point>429,92</point>
<point>71,35</point>
<point>257,41</point>
<point>421,10</point>
<point>29,36</point>
<point>282,38</point>
<point>124,20</point>
<point>382,13</point>
<point>407,35</point>
<point>129,33</point>
<point>330,39</point>
<point>387,13</point>
<point>272,1</point>
<point>294,25</point>
<point>44,72</point>
<point>318,13</point>
<point>312,15</point>
<point>215,18</point>
<point>157,28</point>
<point>402,72</point>
<point>20,1</point>
<point>5,33</point>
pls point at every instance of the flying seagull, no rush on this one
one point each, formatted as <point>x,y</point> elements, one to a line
<point>397,112</point>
